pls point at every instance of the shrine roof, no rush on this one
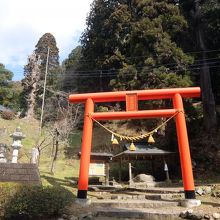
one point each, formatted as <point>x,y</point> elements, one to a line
<point>141,151</point>
<point>99,156</point>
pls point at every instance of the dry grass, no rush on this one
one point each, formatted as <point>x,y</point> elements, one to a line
<point>65,169</point>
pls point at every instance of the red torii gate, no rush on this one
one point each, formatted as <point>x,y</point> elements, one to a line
<point>131,98</point>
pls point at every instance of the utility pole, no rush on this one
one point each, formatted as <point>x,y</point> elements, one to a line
<point>100,81</point>
<point>45,83</point>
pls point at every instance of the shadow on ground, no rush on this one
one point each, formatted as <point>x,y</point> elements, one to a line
<point>68,181</point>
<point>214,204</point>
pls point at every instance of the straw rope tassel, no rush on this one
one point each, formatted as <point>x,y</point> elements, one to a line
<point>115,141</point>
<point>132,147</point>
<point>151,140</point>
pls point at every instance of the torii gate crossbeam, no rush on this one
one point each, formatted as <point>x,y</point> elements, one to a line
<point>131,98</point>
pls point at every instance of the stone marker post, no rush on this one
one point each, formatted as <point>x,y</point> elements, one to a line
<point>34,155</point>
<point>130,175</point>
<point>166,170</point>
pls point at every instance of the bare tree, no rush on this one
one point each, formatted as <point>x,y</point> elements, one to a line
<point>42,143</point>
<point>68,119</point>
<point>55,148</point>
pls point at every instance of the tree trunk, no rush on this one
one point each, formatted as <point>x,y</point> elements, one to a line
<point>30,84</point>
<point>31,101</point>
<point>39,154</point>
<point>55,147</point>
<point>209,111</point>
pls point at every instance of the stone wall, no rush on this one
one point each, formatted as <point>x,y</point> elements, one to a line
<point>19,173</point>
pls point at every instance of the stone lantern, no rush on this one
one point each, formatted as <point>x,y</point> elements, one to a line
<point>17,136</point>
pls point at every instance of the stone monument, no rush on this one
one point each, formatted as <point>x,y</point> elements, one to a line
<point>17,136</point>
<point>11,171</point>
<point>3,153</point>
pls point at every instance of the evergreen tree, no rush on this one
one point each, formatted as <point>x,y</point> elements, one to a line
<point>212,32</point>
<point>155,56</point>
<point>98,48</point>
<point>71,64</point>
<point>204,21</point>
<point>6,93</point>
<point>133,42</point>
<point>47,41</point>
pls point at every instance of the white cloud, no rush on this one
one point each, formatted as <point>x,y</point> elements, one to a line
<point>23,22</point>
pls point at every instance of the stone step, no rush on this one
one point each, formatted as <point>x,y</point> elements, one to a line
<point>159,190</point>
<point>148,214</point>
<point>173,196</point>
<point>133,203</point>
<point>151,196</point>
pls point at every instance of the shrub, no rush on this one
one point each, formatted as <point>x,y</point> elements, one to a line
<point>33,202</point>
<point>7,190</point>
<point>8,115</point>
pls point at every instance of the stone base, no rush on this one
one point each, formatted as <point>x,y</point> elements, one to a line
<point>83,202</point>
<point>150,184</point>
<point>23,173</point>
<point>3,160</point>
<point>190,203</point>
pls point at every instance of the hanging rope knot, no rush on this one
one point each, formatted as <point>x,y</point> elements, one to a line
<point>89,115</point>
<point>180,111</point>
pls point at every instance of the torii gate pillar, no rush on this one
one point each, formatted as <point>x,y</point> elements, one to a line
<point>184,151</point>
<point>86,150</point>
<point>131,98</point>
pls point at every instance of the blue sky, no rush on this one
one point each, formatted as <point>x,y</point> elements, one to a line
<point>23,22</point>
